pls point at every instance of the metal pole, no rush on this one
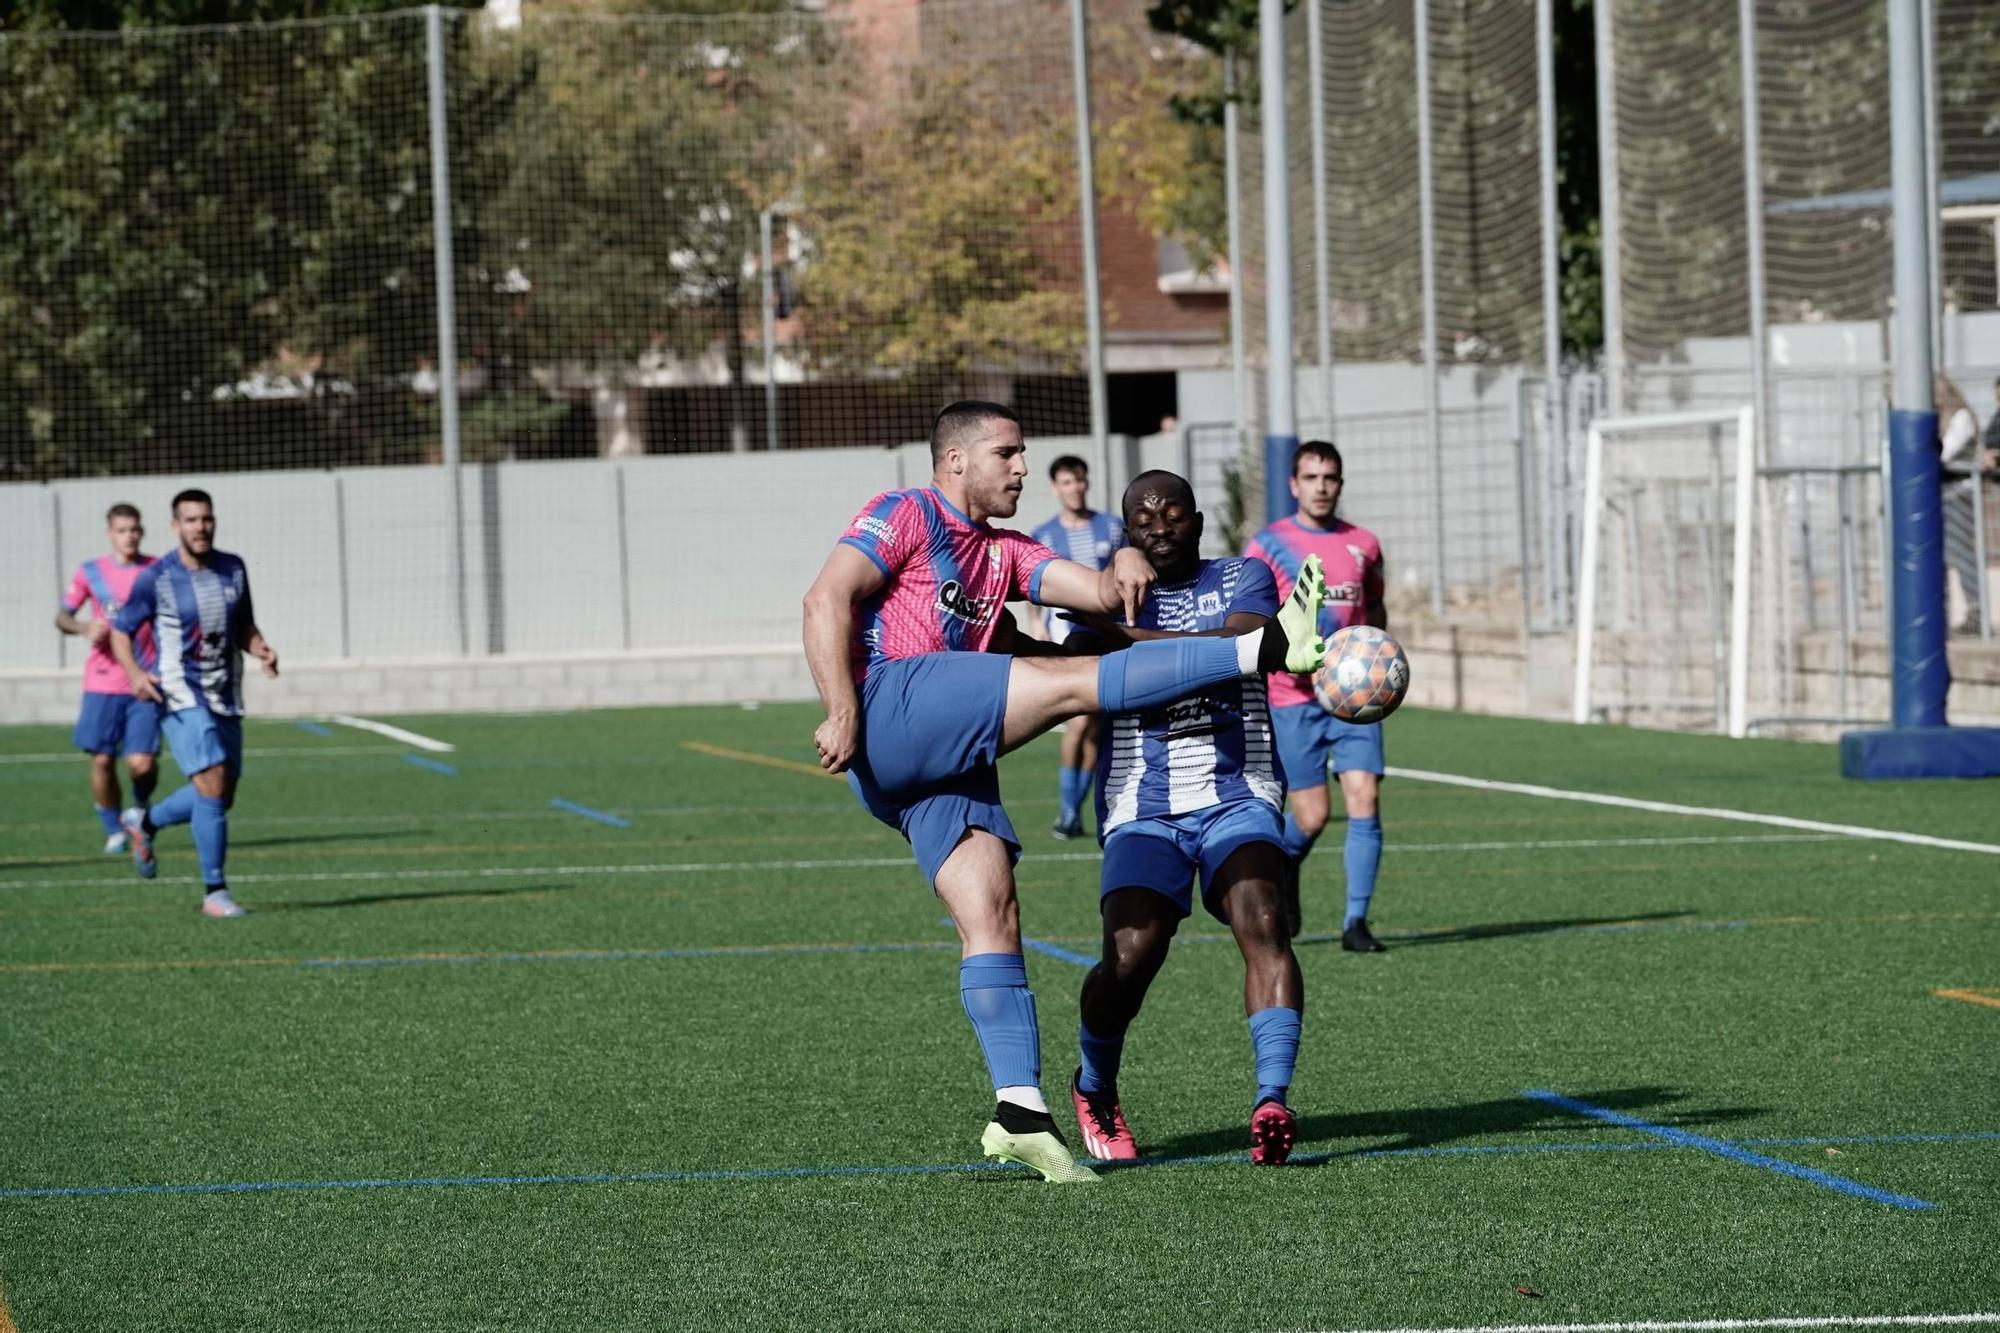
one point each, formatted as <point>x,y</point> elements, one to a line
<point>1919,677</point>
<point>1233,203</point>
<point>1608,204</point>
<point>770,332</point>
<point>1522,465</point>
<point>1753,209</point>
<point>1281,424</point>
<point>1093,303</point>
<point>447,313</point>
<point>1552,413</point>
<point>1933,204</point>
<point>1322,265</point>
<point>1427,231</point>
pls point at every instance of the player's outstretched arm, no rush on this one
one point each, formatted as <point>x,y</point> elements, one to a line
<point>1113,635</point>
<point>1120,586</point>
<point>844,580</point>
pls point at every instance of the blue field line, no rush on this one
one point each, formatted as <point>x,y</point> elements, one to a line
<point>752,1174</point>
<point>1057,951</point>
<point>558,803</point>
<point>1731,1151</point>
<point>433,765</point>
<point>315,728</point>
<point>623,955</point>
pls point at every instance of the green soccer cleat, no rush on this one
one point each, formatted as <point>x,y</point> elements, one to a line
<point>1030,1138</point>
<point>1298,623</point>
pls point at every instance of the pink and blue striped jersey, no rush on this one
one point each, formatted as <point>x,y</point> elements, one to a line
<point>1353,560</point>
<point>199,617</point>
<point>1212,748</point>
<point>948,577</point>
<point>107,585</point>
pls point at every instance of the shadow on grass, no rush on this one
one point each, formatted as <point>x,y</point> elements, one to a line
<point>377,899</point>
<point>315,839</point>
<point>1435,1126</point>
<point>1505,929</point>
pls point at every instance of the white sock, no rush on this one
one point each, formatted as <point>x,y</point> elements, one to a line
<point>1247,648</point>
<point>1024,1095</point>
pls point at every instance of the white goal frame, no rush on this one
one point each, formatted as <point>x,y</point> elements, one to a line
<point>1745,421</point>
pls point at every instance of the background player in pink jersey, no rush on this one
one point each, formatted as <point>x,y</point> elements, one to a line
<point>1310,738</point>
<point>112,722</point>
<point>911,646</point>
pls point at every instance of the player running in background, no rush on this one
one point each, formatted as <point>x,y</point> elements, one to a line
<point>897,631</point>
<point>1088,537</point>
<point>1185,789</point>
<point>1309,737</point>
<point>112,721</point>
<point>197,603</point>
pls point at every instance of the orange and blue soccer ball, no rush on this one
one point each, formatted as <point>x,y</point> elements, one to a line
<point>1365,675</point>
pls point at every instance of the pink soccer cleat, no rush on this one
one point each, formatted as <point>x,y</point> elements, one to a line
<point>1273,1130</point>
<point>1102,1120</point>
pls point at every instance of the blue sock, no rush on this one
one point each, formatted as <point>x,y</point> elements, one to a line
<point>1072,799</point>
<point>1160,671</point>
<point>211,838</point>
<point>1364,857</point>
<point>994,988</point>
<point>176,809</point>
<point>1297,841</point>
<point>1101,1057</point>
<point>109,819</point>
<point>1083,779</point>
<point>1274,1034</point>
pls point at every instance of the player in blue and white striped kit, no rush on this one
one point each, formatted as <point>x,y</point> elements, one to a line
<point>1185,789</point>
<point>197,600</point>
<point>1079,533</point>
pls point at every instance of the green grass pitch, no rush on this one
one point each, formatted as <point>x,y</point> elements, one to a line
<point>475,1061</point>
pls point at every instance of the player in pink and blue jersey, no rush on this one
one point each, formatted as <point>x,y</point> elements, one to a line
<point>1310,738</point>
<point>197,603</point>
<point>1185,790</point>
<point>1088,537</point>
<point>925,685</point>
<point>112,722</point>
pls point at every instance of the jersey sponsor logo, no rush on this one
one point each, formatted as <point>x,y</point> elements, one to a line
<point>1348,594</point>
<point>1209,604</point>
<point>1191,717</point>
<point>871,526</point>
<point>953,599</point>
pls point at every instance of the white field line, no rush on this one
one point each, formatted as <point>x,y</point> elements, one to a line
<point>1702,811</point>
<point>846,863</point>
<point>73,756</point>
<point>1704,1325</point>
<point>393,733</point>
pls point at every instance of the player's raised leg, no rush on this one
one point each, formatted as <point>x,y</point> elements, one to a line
<point>976,886</point>
<point>1273,990</point>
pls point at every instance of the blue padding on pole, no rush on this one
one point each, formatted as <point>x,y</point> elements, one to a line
<point>1919,674</point>
<point>1278,502</point>
<point>1922,752</point>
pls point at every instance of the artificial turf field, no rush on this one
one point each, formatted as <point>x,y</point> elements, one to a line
<point>477,1061</point>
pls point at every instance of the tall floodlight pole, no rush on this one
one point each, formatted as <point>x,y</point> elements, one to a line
<point>1281,422</point>
<point>1322,262</point>
<point>770,330</point>
<point>1427,232</point>
<point>1239,364</point>
<point>1933,204</point>
<point>1919,744</point>
<point>1609,254</point>
<point>1552,433</point>
<point>1753,228</point>
<point>447,313</point>
<point>1093,305</point>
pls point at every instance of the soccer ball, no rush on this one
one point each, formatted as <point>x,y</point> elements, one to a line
<point>1365,675</point>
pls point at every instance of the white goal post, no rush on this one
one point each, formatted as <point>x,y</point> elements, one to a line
<point>1669,468</point>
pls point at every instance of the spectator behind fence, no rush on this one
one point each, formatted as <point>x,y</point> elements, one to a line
<point>1960,454</point>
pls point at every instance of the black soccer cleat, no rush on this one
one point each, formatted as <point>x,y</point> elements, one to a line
<point>1065,829</point>
<point>1358,939</point>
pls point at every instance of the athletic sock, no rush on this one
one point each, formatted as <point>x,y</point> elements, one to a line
<point>1274,1035</point>
<point>211,838</point>
<point>1160,671</point>
<point>1101,1058</point>
<point>1072,796</point>
<point>109,819</point>
<point>1364,857</point>
<point>1083,780</point>
<point>1297,841</point>
<point>176,809</point>
<point>994,990</point>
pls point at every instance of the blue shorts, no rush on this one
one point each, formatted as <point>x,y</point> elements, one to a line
<point>1164,854</point>
<point>202,740</point>
<point>1309,738</point>
<point>930,736</point>
<point>117,724</point>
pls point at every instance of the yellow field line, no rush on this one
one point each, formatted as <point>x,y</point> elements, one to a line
<point>6,1319</point>
<point>1986,995</point>
<point>161,966</point>
<point>789,765</point>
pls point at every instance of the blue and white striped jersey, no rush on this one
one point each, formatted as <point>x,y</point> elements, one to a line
<point>198,624</point>
<point>1212,748</point>
<point>1090,544</point>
